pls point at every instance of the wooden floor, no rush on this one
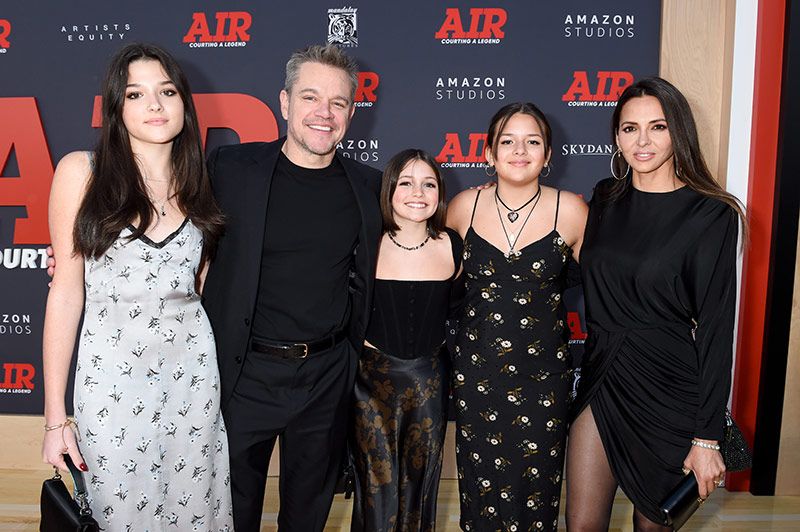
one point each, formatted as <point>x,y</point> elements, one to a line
<point>735,512</point>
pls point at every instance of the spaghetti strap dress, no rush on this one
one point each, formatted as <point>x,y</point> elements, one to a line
<point>659,274</point>
<point>511,385</point>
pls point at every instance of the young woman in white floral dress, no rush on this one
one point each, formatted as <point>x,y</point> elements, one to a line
<point>512,374</point>
<point>133,225</point>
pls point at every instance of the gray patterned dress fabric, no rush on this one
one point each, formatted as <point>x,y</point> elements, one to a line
<point>147,390</point>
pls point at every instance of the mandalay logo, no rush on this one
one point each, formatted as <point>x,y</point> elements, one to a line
<point>470,88</point>
<point>599,26</point>
<point>365,92</point>
<point>343,26</point>
<point>17,378</point>
<point>88,33</point>
<point>5,31</point>
<point>462,152</point>
<point>226,30</point>
<point>599,90</point>
<point>484,25</point>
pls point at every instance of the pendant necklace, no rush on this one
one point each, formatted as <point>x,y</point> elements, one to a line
<point>513,214</point>
<point>407,248</point>
<point>512,243</point>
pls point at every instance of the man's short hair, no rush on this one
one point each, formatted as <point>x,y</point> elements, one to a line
<point>330,55</point>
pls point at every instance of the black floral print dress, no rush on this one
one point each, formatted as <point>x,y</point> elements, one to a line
<point>511,384</point>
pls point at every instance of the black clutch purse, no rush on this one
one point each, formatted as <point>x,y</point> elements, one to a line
<point>679,505</point>
<point>60,512</point>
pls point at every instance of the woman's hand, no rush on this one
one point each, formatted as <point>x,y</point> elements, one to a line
<point>707,466</point>
<point>62,441</point>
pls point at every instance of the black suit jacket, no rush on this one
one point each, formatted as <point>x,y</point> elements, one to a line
<point>241,176</point>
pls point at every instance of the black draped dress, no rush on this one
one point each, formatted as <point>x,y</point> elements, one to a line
<point>659,274</point>
<point>400,411</point>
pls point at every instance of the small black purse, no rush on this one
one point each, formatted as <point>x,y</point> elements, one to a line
<point>60,512</point>
<point>680,503</point>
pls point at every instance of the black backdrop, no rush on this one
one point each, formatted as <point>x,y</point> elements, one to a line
<point>432,75</point>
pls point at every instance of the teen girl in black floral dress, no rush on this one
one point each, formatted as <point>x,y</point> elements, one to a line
<point>512,375</point>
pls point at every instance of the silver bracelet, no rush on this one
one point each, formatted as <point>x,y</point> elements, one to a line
<point>704,445</point>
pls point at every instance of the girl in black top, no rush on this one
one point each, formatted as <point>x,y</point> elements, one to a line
<point>659,272</point>
<point>401,388</point>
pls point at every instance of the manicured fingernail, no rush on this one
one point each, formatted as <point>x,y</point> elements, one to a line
<point>83,467</point>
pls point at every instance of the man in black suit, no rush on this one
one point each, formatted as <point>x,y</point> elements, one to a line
<point>289,290</point>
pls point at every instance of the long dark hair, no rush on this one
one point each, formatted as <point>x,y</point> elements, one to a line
<point>502,116</point>
<point>391,174</point>
<point>690,165</point>
<point>116,194</point>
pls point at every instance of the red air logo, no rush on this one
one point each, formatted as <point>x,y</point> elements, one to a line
<point>484,26</point>
<point>17,378</point>
<point>229,29</point>
<point>576,331</point>
<point>458,154</point>
<point>602,90</point>
<point>5,31</point>
<point>365,93</point>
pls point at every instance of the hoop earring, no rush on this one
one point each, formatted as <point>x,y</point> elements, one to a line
<point>549,169</point>
<point>618,153</point>
<point>489,173</point>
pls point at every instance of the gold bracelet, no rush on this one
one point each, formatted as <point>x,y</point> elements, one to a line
<point>66,423</point>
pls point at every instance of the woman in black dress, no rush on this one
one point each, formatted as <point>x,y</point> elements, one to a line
<point>512,373</point>
<point>659,270</point>
<point>401,387</point>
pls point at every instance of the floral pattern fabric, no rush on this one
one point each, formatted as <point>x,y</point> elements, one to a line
<point>147,391</point>
<point>511,384</point>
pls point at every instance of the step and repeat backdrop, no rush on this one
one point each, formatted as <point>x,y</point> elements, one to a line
<point>432,74</point>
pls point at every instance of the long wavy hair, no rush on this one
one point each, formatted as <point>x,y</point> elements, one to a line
<point>116,194</point>
<point>689,163</point>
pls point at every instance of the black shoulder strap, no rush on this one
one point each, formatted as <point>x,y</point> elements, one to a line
<point>474,207</point>
<point>558,201</point>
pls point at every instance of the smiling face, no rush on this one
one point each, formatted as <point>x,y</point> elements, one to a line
<point>643,136</point>
<point>519,155</point>
<point>152,110</point>
<point>317,112</point>
<point>416,193</point>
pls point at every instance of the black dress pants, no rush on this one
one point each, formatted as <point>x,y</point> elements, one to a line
<point>305,402</point>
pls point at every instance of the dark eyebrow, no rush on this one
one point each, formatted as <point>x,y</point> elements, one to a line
<point>167,82</point>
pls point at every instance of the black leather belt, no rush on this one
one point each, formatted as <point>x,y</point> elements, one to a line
<point>297,350</point>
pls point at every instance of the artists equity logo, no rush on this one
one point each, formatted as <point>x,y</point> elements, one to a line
<point>343,26</point>
<point>17,378</point>
<point>87,33</point>
<point>5,31</point>
<point>365,92</point>
<point>470,88</point>
<point>599,26</point>
<point>484,26</point>
<point>466,154</point>
<point>228,29</point>
<point>601,90</point>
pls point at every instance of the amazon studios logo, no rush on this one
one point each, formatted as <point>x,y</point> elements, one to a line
<point>484,26</point>
<point>87,33</point>
<point>599,26</point>
<point>470,88</point>
<point>228,30</point>
<point>363,150</point>
<point>5,31</point>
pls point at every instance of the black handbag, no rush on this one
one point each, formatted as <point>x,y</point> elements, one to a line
<point>60,512</point>
<point>679,505</point>
<point>684,499</point>
<point>735,451</point>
